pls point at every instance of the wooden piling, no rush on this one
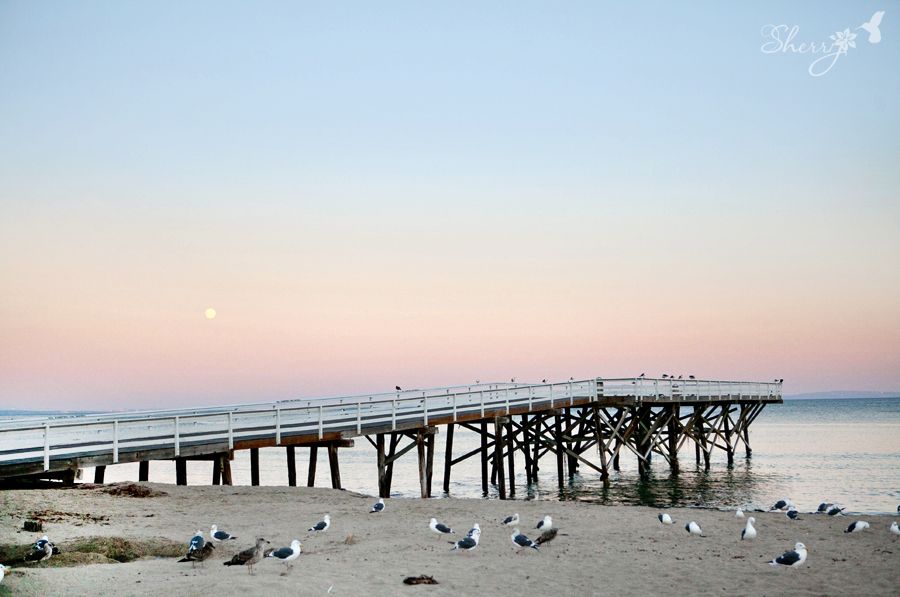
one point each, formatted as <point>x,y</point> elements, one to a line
<point>601,445</point>
<point>225,459</point>
<point>529,476</point>
<point>560,467</point>
<point>144,471</point>
<point>334,464</point>
<point>729,446</point>
<point>99,473</point>
<point>674,413</point>
<point>216,471</point>
<point>498,457</point>
<point>290,451</point>
<point>254,466</point>
<point>311,474</point>
<point>448,457</point>
<point>484,458</point>
<point>382,467</point>
<point>511,458</point>
<point>429,459</point>
<point>180,471</point>
<point>420,450</point>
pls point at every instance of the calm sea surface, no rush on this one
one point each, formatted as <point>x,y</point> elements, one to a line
<point>844,451</point>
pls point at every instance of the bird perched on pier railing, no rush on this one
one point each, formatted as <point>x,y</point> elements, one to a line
<point>249,557</point>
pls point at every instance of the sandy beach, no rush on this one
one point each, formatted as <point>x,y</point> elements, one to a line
<point>601,549</point>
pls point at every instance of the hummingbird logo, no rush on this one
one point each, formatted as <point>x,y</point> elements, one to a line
<point>872,27</point>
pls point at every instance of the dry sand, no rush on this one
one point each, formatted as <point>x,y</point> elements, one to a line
<point>605,549</point>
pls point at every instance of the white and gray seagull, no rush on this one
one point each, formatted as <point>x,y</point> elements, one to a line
<point>511,521</point>
<point>694,529</point>
<point>794,557</point>
<point>218,535</point>
<point>520,541</point>
<point>287,554</point>
<point>321,526</point>
<point>439,527</point>
<point>546,522</point>
<point>664,518</point>
<point>749,531</point>
<point>377,507</point>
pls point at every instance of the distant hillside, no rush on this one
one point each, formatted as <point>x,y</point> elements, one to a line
<point>839,394</point>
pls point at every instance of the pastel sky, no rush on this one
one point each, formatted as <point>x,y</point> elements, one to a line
<point>412,193</point>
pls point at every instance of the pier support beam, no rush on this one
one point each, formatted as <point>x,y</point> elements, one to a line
<point>144,471</point>
<point>448,457</point>
<point>291,454</point>
<point>498,457</point>
<point>334,465</point>
<point>311,473</point>
<point>99,473</point>
<point>729,445</point>
<point>511,458</point>
<point>560,466</point>
<point>484,458</point>
<point>254,466</point>
<point>180,471</point>
<point>672,437</point>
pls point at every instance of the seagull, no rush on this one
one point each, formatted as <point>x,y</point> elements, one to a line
<point>894,528</point>
<point>547,536</point>
<point>680,376</point>
<point>519,541</point>
<point>784,504</point>
<point>217,535</point>
<point>547,522</point>
<point>321,526</point>
<point>476,528</point>
<point>824,507</point>
<point>665,376</point>
<point>249,556</point>
<point>693,528</point>
<point>468,543</point>
<point>196,542</point>
<point>795,557</point>
<point>378,507</point>
<point>198,555</point>
<point>793,514</point>
<point>664,518</point>
<point>543,381</point>
<point>856,526</point>
<point>691,377</point>
<point>398,388</point>
<point>512,380</point>
<point>749,532</point>
<point>872,27</point>
<point>286,554</point>
<point>511,520</point>
<point>739,513</point>
<point>39,555</point>
<point>440,528</point>
<point>3,568</point>
<point>835,509</point>
<point>642,375</point>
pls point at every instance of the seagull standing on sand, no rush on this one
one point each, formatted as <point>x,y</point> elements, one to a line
<point>2,572</point>
<point>547,536</point>
<point>378,507</point>
<point>693,528</point>
<point>468,543</point>
<point>439,527</point>
<point>856,526</point>
<point>321,526</point>
<point>835,509</point>
<point>196,542</point>
<point>249,556</point>
<point>198,555</point>
<point>547,522</point>
<point>218,535</point>
<point>520,541</point>
<point>511,521</point>
<point>793,514</point>
<point>665,518</point>
<point>824,507</point>
<point>794,557</point>
<point>894,528</point>
<point>287,554</point>
<point>476,529</point>
<point>749,532</point>
<point>739,513</point>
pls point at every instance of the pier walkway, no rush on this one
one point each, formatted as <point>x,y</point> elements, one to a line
<point>640,416</point>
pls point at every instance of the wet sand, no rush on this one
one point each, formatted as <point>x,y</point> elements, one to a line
<point>601,549</point>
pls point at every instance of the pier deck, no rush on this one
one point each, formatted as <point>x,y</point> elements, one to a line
<point>638,414</point>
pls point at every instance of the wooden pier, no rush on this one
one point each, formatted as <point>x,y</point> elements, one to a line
<point>562,421</point>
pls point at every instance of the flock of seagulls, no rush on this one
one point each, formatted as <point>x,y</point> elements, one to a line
<point>797,555</point>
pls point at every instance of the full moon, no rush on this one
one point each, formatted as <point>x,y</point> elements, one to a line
<point>210,313</point>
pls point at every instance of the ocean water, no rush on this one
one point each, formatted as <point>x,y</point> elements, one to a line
<point>838,450</point>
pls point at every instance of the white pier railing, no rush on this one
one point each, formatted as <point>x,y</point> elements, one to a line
<point>112,436</point>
